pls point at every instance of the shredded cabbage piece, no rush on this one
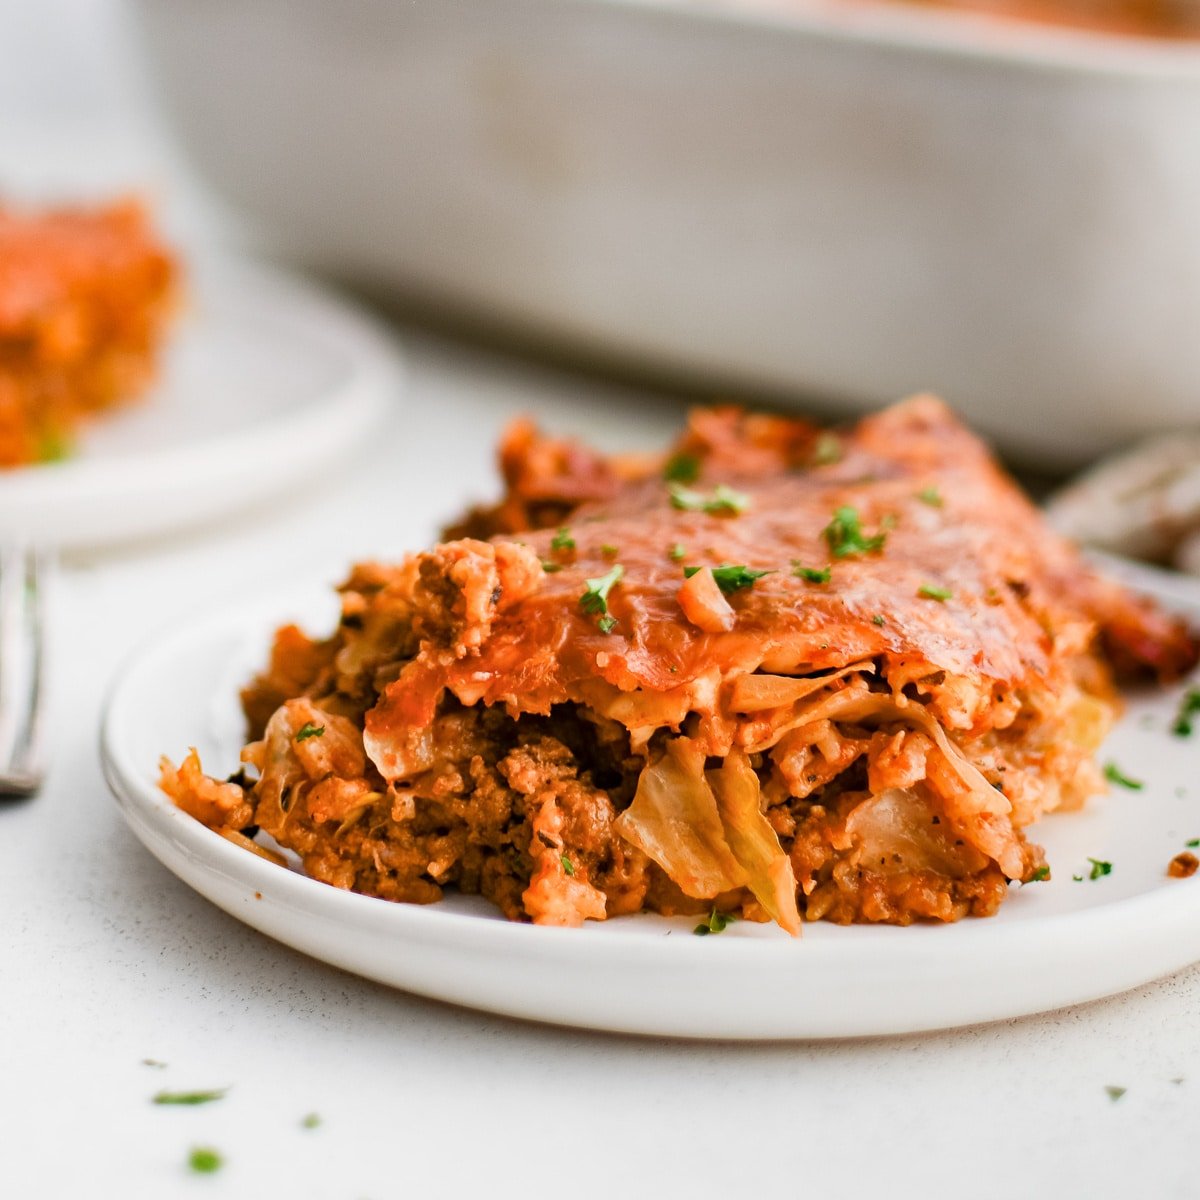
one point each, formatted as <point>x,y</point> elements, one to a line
<point>758,693</point>
<point>754,843</point>
<point>674,819</point>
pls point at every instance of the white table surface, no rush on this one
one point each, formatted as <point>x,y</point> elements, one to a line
<point>107,960</point>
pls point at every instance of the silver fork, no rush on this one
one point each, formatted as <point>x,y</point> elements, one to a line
<point>23,572</point>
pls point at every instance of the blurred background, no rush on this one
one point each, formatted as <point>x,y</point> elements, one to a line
<point>824,205</point>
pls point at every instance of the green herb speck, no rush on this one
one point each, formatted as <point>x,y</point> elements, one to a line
<point>190,1098</point>
<point>828,450</point>
<point>205,1160</point>
<point>309,730</point>
<point>715,922</point>
<point>731,578</point>
<point>595,597</point>
<point>1114,774</point>
<point>811,574</point>
<point>1189,707</point>
<point>682,468</point>
<point>722,501</point>
<point>845,537</point>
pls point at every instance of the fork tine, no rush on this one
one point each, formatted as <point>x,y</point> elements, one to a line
<point>22,669</point>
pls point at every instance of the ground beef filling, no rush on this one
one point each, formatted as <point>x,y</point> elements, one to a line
<point>522,813</point>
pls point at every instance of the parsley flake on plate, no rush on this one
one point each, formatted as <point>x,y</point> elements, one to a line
<point>309,730</point>
<point>682,468</point>
<point>811,574</point>
<point>1099,868</point>
<point>190,1098</point>
<point>1040,875</point>
<point>311,1121</point>
<point>205,1160</point>
<point>845,537</point>
<point>1114,775</point>
<point>1114,1092</point>
<point>1189,707</point>
<point>721,501</point>
<point>715,922</point>
<point>731,578</point>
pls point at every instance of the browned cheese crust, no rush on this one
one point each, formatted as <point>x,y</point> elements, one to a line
<point>590,703</point>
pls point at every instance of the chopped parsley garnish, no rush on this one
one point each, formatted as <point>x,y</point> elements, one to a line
<point>309,730</point>
<point>877,619</point>
<point>204,1160</point>
<point>1077,878</point>
<point>827,450</point>
<point>811,574</point>
<point>682,468</point>
<point>722,501</point>
<point>844,535</point>
<point>1192,843</point>
<point>1099,868</point>
<point>1040,875</point>
<point>550,567</point>
<point>609,550</point>
<point>311,1121</point>
<point>716,922</point>
<point>677,552</point>
<point>606,624</point>
<point>932,592</point>
<point>1188,708</point>
<point>731,578</point>
<point>930,496</point>
<point>562,540</point>
<point>1113,774</point>
<point>1114,1092</point>
<point>595,598</point>
<point>190,1098</point>
<point>567,865</point>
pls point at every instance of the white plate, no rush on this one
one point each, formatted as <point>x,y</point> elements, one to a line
<point>1053,944</point>
<point>267,382</point>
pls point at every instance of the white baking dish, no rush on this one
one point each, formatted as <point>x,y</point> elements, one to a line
<point>847,203</point>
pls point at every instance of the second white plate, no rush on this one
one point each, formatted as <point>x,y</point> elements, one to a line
<point>267,381</point>
<point>1053,944</point>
